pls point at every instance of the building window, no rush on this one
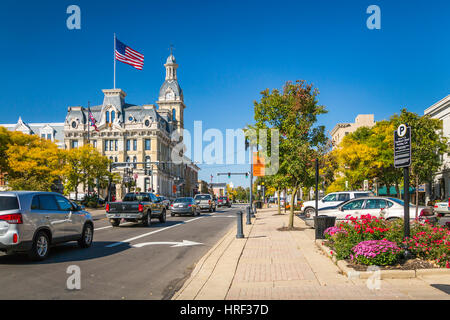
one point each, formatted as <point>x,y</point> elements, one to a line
<point>113,116</point>
<point>128,159</point>
<point>134,144</point>
<point>174,115</point>
<point>116,143</point>
<point>111,145</point>
<point>106,145</point>
<point>49,136</point>
<point>134,160</point>
<point>128,145</point>
<point>43,136</point>
<point>147,185</point>
<point>115,159</point>
<point>147,144</point>
<point>94,143</point>
<point>107,116</point>
<point>74,144</point>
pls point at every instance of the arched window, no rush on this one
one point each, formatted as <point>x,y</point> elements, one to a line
<point>174,115</point>
<point>107,116</point>
<point>128,159</point>
<point>113,116</point>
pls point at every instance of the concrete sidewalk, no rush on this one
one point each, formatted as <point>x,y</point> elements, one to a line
<point>271,264</point>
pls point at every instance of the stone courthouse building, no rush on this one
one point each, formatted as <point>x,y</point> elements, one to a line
<point>138,133</point>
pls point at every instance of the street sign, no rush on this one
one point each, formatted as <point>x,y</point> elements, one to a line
<point>402,146</point>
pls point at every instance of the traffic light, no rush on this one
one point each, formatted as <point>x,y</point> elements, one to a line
<point>246,176</point>
<point>229,175</point>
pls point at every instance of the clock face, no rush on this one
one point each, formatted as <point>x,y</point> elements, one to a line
<point>170,94</point>
<point>147,123</point>
<point>130,119</point>
<point>74,124</point>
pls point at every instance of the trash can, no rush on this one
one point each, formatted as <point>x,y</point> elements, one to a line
<point>321,223</point>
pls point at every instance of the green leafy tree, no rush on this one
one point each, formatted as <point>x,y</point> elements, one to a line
<point>293,111</point>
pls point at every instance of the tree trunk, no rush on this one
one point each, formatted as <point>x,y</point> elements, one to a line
<point>279,201</point>
<point>397,188</point>
<point>291,213</point>
<point>417,195</point>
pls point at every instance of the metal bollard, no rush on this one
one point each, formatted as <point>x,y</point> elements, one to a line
<point>240,233</point>
<point>253,211</point>
<point>248,216</point>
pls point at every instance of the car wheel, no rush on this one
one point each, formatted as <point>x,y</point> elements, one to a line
<point>310,211</point>
<point>87,236</point>
<point>115,222</point>
<point>147,220</point>
<point>162,217</point>
<point>40,248</point>
<point>211,209</point>
<point>172,214</point>
<point>214,209</point>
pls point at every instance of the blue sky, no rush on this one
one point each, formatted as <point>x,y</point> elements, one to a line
<point>228,51</point>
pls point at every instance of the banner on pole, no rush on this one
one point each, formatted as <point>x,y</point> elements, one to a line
<point>258,165</point>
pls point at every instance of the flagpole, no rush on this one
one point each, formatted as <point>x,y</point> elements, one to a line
<point>114,60</point>
<point>89,121</point>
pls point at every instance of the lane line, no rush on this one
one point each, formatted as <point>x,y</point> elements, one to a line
<point>149,233</point>
<point>123,224</point>
<point>141,236</point>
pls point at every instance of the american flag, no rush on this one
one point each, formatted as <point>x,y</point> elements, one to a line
<point>93,121</point>
<point>129,56</point>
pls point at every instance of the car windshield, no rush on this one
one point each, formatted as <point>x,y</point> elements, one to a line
<point>8,203</point>
<point>183,200</point>
<point>203,197</point>
<point>223,198</point>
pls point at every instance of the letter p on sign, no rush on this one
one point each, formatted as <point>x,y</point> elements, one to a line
<point>401,130</point>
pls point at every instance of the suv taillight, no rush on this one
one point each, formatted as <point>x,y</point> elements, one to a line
<point>209,201</point>
<point>14,218</point>
<point>140,208</point>
<point>107,207</point>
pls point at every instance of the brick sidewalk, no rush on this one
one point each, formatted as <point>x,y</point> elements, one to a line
<point>271,264</point>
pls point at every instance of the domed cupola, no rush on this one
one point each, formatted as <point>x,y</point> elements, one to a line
<point>170,89</point>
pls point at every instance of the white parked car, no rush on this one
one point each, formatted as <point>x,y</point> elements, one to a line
<point>332,200</point>
<point>386,207</point>
<point>441,207</point>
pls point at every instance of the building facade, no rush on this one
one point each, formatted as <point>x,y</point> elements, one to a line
<point>440,188</point>
<point>342,129</point>
<point>128,133</point>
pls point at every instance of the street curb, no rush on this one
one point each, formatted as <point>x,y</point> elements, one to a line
<point>199,278</point>
<point>384,274</point>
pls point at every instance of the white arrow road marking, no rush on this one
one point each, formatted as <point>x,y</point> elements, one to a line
<point>107,227</point>
<point>185,243</point>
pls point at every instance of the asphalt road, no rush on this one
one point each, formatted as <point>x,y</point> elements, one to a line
<point>113,268</point>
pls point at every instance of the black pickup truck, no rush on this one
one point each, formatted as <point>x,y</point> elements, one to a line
<point>136,206</point>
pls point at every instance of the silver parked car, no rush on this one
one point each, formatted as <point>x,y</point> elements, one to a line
<point>32,221</point>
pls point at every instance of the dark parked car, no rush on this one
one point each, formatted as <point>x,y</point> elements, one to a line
<point>185,205</point>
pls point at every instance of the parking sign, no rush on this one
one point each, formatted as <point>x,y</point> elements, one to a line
<point>402,146</point>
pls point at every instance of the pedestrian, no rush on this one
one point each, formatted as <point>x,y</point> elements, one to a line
<point>113,198</point>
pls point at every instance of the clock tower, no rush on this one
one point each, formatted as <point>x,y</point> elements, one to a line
<point>171,96</point>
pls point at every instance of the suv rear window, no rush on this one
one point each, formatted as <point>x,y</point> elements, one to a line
<point>203,197</point>
<point>366,194</point>
<point>8,203</point>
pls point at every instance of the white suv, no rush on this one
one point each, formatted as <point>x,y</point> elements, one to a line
<point>332,200</point>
